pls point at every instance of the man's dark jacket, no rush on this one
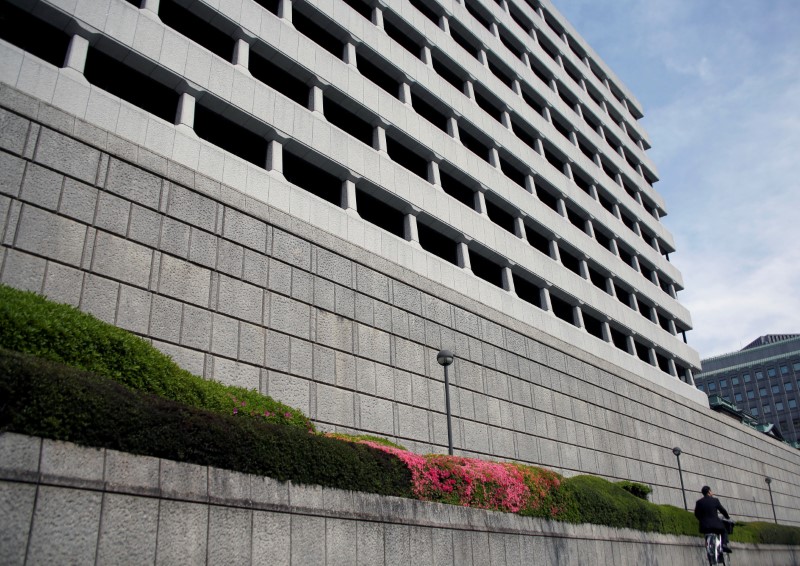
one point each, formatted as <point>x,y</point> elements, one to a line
<point>706,512</point>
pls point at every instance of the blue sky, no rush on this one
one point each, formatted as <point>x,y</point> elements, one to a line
<point>719,81</point>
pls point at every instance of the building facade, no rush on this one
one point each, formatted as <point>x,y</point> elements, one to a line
<point>312,198</point>
<point>762,379</point>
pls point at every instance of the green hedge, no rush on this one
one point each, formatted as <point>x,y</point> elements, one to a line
<point>42,398</point>
<point>766,533</point>
<point>32,324</point>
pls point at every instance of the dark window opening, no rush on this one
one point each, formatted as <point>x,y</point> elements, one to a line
<point>426,10</point>
<point>583,183</point>
<point>576,219</point>
<point>562,309</point>
<point>572,72</point>
<point>476,13</point>
<point>547,198</point>
<point>568,100</point>
<point>187,23</point>
<point>605,202</point>
<point>474,144</point>
<point>429,112</point>
<point>532,101</point>
<point>539,242</point>
<point>619,339</point>
<point>486,269</point>
<point>593,326</point>
<point>312,178</point>
<point>380,214</point>
<point>642,351</point>
<point>229,136</point>
<point>560,127</point>
<point>549,49</point>
<point>608,170</point>
<point>361,7</point>
<point>458,190</point>
<point>499,216</point>
<point>625,255</point>
<point>402,38</point>
<point>664,285</point>
<point>510,46</point>
<point>647,272</point>
<point>520,19</point>
<point>377,75</point>
<point>140,90</point>
<point>527,291</point>
<point>406,157</point>
<point>663,321</point>
<point>437,243</point>
<point>590,120</point>
<point>623,296</point>
<point>597,279</point>
<point>444,71</point>
<point>504,77</point>
<point>628,189</point>
<point>524,134</point>
<point>570,261</point>
<point>317,33</point>
<point>288,84</point>
<point>541,74</point>
<point>348,121</point>
<point>548,19</point>
<point>512,172</point>
<point>22,29</point>
<point>488,106</point>
<point>586,150</point>
<point>602,239</point>
<point>598,99</point>
<point>466,44</point>
<point>627,220</point>
<point>554,160</point>
<point>269,5</point>
<point>632,162</point>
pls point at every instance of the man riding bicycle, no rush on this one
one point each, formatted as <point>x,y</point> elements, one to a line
<point>706,510</point>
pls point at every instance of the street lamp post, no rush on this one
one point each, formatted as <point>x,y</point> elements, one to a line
<point>445,358</point>
<point>772,502</point>
<point>677,452</point>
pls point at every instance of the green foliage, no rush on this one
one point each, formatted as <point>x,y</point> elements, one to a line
<point>766,533</point>
<point>30,323</point>
<point>42,398</point>
<point>676,521</point>
<point>640,490</point>
<point>364,437</point>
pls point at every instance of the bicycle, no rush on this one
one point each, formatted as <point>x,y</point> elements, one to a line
<point>714,551</point>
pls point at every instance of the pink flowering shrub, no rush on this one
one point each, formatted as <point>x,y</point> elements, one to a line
<point>470,482</point>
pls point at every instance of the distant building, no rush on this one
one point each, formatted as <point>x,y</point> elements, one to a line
<point>761,380</point>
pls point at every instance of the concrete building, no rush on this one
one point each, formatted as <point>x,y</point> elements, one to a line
<point>311,198</point>
<point>761,380</point>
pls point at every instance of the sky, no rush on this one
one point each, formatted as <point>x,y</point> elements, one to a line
<point>719,83</point>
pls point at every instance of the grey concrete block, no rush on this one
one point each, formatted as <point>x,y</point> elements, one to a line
<point>376,415</point>
<point>184,481</point>
<point>251,343</point>
<point>230,258</point>
<point>406,297</point>
<point>409,356</point>
<point>334,331</point>
<point>272,537</point>
<point>256,268</point>
<point>339,537</point>
<point>365,376</point>
<point>122,259</point>
<point>289,316</point>
<point>65,526</point>
<point>344,301</point>
<point>416,328</point>
<point>369,543</point>
<point>280,277</point>
<point>372,283</point>
<point>67,155</point>
<point>133,312</point>
<point>421,545</point>
<point>229,535</point>
<point>397,544</point>
<point>374,344</point>
<point>225,336</point>
<point>269,493</point>
<point>203,248</point>
<point>345,370</point>
<point>334,267</point>
<point>290,390</point>
<point>113,213</point>
<point>41,186</point>
<point>184,281</point>
<point>334,405</point>
<point>302,285</point>
<point>129,473</point>
<point>442,542</point>
<point>19,456</point>
<point>65,463</point>
<point>277,351</point>
<point>228,487</point>
<point>13,131</point>
<point>301,358</point>
<point>182,533</point>
<point>100,297</point>
<point>16,509</point>
<point>24,271</point>
<point>165,319</point>
<point>51,236</point>
<point>174,237</point>
<point>245,230</point>
<point>243,300</point>
<point>193,208</point>
<point>324,294</point>
<point>134,183</point>
<point>78,200</point>
<point>128,530</point>
<point>234,373</point>
<point>308,547</point>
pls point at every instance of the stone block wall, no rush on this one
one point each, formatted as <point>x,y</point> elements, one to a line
<point>249,294</point>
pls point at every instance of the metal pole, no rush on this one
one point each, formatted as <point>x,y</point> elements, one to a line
<point>677,452</point>
<point>772,502</point>
<point>447,408</point>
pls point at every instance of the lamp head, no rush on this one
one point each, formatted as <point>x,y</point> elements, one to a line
<point>676,451</point>
<point>445,357</point>
<point>768,480</point>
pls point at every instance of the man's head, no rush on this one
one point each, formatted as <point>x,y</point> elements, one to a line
<point>706,490</point>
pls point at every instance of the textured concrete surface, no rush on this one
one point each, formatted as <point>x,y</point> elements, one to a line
<point>238,291</point>
<point>114,523</point>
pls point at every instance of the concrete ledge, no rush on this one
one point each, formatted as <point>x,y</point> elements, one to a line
<point>157,511</point>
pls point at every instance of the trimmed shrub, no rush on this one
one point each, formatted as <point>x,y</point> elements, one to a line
<point>766,533</point>
<point>640,490</point>
<point>30,323</point>
<point>677,521</point>
<point>364,438</point>
<point>42,398</point>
